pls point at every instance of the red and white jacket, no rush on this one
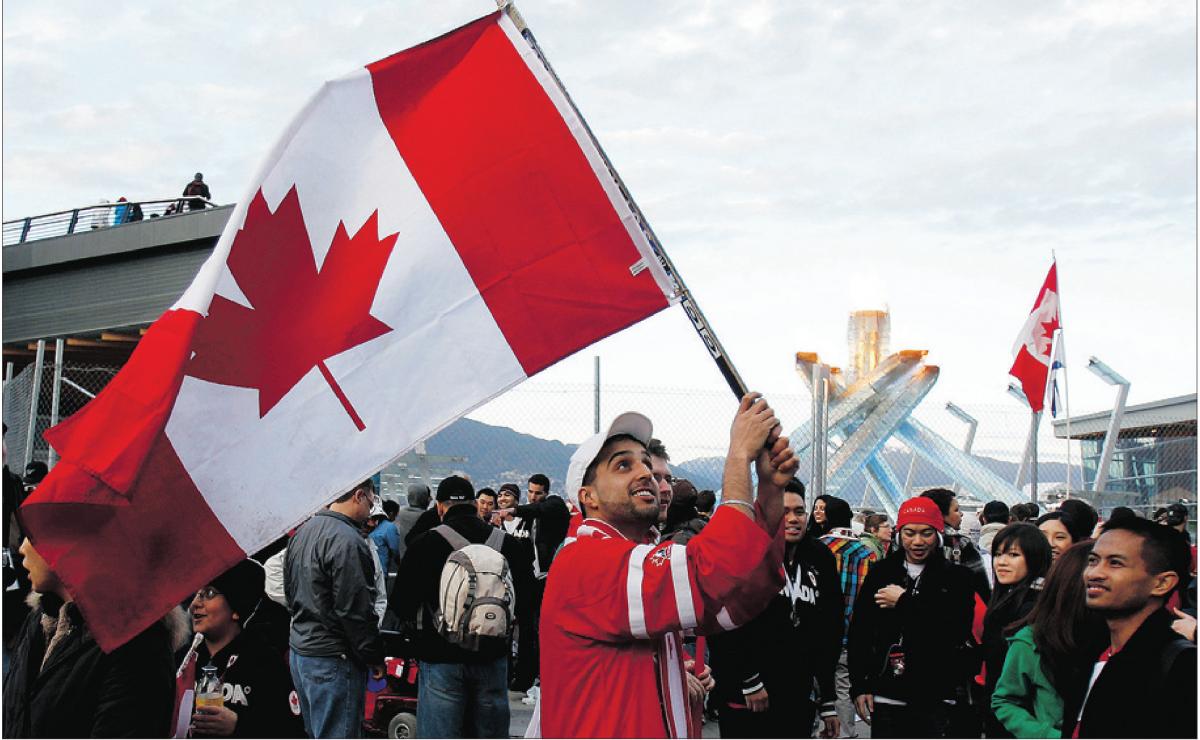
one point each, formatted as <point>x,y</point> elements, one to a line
<point>613,616</point>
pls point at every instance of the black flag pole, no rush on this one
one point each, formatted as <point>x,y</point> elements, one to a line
<point>683,295</point>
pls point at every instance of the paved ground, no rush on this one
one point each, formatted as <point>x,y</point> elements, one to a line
<point>522,712</point>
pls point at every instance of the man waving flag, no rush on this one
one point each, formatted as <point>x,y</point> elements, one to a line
<point>1032,349</point>
<point>429,231</point>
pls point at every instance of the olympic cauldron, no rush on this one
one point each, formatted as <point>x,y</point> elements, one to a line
<point>872,403</point>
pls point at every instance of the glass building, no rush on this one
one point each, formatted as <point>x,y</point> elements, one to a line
<point>1154,459</point>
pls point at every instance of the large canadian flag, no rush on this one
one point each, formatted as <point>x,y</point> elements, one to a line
<point>429,231</point>
<point>1035,342</point>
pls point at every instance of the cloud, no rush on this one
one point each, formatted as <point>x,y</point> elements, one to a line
<point>797,159</point>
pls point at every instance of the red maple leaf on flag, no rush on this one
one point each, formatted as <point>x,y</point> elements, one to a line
<point>299,317</point>
<point>1048,329</point>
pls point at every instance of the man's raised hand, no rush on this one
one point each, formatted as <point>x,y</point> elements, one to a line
<point>752,425</point>
<point>777,464</point>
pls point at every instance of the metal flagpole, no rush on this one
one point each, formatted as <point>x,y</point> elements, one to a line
<point>1061,351</point>
<point>694,314</point>
<point>1033,460</point>
<point>1047,393</point>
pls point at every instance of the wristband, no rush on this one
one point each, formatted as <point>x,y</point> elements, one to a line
<point>736,502</point>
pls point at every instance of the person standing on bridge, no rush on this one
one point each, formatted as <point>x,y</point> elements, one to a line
<point>197,187</point>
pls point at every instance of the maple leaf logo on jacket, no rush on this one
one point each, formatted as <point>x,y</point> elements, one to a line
<point>299,317</point>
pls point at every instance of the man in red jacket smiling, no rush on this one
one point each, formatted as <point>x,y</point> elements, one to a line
<point>617,602</point>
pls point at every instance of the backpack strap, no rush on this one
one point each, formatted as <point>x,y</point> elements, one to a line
<point>1170,652</point>
<point>495,540</point>
<point>456,540</point>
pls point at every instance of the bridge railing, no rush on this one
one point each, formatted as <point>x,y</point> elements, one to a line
<point>99,216</point>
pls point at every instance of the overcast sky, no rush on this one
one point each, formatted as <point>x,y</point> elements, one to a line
<point>798,160</point>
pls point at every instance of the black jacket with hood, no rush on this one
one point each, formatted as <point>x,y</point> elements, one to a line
<point>82,691</point>
<point>932,624</point>
<point>780,654</point>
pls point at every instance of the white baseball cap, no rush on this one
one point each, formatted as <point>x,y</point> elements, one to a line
<point>629,423</point>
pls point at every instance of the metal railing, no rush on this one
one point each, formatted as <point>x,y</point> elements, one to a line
<point>99,216</point>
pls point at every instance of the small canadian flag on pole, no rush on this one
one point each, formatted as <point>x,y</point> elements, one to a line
<point>429,231</point>
<point>1032,350</point>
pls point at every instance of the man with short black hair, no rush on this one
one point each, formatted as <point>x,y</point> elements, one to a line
<point>546,518</point>
<point>958,548</point>
<point>705,501</point>
<point>766,669</point>
<point>1144,683</point>
<point>329,584</point>
<point>461,692</point>
<point>485,503</point>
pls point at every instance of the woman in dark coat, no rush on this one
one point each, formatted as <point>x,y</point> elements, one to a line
<point>60,683</point>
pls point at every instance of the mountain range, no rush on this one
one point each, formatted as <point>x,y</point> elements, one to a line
<point>495,455</point>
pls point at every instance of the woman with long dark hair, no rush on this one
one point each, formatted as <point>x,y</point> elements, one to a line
<point>818,522</point>
<point>1064,528</point>
<point>1020,559</point>
<point>1050,647</point>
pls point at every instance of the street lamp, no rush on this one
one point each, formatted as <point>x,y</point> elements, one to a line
<point>1030,453</point>
<point>972,424</point>
<point>1112,377</point>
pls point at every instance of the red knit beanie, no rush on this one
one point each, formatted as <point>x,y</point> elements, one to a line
<point>920,510</point>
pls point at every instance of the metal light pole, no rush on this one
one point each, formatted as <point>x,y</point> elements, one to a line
<point>820,431</point>
<point>52,456</point>
<point>972,424</point>
<point>38,364</point>
<point>1110,376</point>
<point>1029,460</point>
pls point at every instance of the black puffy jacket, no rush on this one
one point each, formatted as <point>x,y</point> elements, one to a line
<point>83,692</point>
<point>932,623</point>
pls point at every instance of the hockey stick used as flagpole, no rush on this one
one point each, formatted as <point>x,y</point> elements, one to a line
<point>684,296</point>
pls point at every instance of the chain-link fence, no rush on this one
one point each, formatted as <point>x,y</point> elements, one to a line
<point>534,427</point>
<point>77,385</point>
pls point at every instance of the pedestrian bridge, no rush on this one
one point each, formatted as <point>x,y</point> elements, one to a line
<point>86,277</point>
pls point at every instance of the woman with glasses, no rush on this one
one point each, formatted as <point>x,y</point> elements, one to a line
<point>259,700</point>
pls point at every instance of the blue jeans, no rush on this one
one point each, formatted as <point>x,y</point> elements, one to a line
<point>463,700</point>
<point>332,692</point>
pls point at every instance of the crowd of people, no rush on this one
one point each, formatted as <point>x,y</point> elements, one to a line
<point>631,604</point>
